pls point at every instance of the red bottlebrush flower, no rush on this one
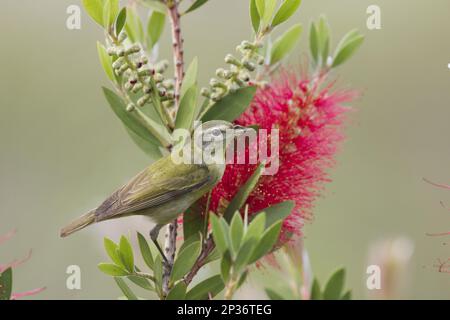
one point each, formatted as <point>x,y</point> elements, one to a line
<point>309,116</point>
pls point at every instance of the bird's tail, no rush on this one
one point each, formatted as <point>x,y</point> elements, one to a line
<point>78,224</point>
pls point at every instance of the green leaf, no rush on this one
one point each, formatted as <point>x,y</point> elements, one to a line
<point>316,293</point>
<point>277,212</point>
<point>131,122</point>
<point>150,149</point>
<point>157,273</point>
<point>120,21</point>
<point>314,43</point>
<point>272,294</point>
<point>134,27</point>
<point>286,43</point>
<point>185,260</point>
<point>156,5</point>
<point>112,270</point>
<point>323,31</point>
<point>232,106</point>
<point>95,10</point>
<point>106,61</point>
<point>209,287</point>
<point>186,112</point>
<point>197,4</point>
<point>236,231</point>
<point>125,289</point>
<point>126,253</point>
<point>245,253</point>
<point>220,233</point>
<point>256,228</point>
<point>347,47</point>
<point>6,284</point>
<point>178,292</point>
<point>254,15</point>
<point>244,192</point>
<point>155,27</point>
<point>261,6</point>
<point>287,9</point>
<point>225,266</point>
<point>335,286</point>
<point>110,11</point>
<point>111,249</point>
<point>269,10</point>
<point>145,251</point>
<point>190,79</point>
<point>268,240</point>
<point>141,282</point>
<point>193,221</point>
<point>347,295</point>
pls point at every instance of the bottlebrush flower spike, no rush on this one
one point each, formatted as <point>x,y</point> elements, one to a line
<point>309,115</point>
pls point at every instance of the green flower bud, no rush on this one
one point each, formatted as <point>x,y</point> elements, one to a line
<point>138,86</point>
<point>158,77</point>
<point>111,51</point>
<point>250,66</point>
<point>142,101</point>
<point>130,107</point>
<point>118,63</point>
<point>120,52</point>
<point>147,89</point>
<point>244,76</point>
<point>216,97</point>
<point>145,72</point>
<point>205,92</point>
<point>246,45</point>
<point>162,92</point>
<point>220,73</point>
<point>162,66</point>
<point>168,84</point>
<point>230,59</point>
<point>133,49</point>
<point>128,86</point>
<point>260,60</point>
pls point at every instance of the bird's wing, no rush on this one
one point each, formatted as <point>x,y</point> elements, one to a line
<point>154,186</point>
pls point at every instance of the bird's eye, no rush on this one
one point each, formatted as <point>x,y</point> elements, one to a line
<point>216,132</point>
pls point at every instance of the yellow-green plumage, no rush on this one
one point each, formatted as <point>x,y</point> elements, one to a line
<point>162,191</point>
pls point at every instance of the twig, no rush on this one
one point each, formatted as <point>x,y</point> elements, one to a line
<point>178,54</point>
<point>201,260</point>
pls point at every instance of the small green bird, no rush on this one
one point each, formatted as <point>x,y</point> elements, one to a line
<point>165,189</point>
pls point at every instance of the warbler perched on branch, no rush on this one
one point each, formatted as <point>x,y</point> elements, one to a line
<point>166,189</point>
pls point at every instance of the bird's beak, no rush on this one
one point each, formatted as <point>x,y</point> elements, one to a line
<point>240,130</point>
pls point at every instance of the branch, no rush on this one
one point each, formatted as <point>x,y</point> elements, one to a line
<point>178,52</point>
<point>201,260</point>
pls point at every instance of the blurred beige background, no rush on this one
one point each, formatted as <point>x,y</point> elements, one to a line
<point>62,149</point>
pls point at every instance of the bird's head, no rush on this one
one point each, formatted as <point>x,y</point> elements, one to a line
<point>221,133</point>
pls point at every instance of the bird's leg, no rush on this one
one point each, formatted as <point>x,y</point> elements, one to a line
<point>154,236</point>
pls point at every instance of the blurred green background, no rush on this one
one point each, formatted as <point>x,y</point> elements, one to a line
<point>63,150</point>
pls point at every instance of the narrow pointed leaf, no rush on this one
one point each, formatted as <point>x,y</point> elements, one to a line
<point>111,249</point>
<point>126,253</point>
<point>6,284</point>
<point>120,21</point>
<point>185,260</point>
<point>269,10</point>
<point>347,295</point>
<point>286,43</point>
<point>254,15</point>
<point>316,293</point>
<point>245,253</point>
<point>125,289</point>
<point>232,106</point>
<point>155,27</point>
<point>220,234</point>
<point>150,149</point>
<point>256,228</point>
<point>186,112</point>
<point>106,61</point>
<point>178,292</point>
<point>134,27</point>
<point>145,251</point>
<point>268,240</point>
<point>335,286</point>
<point>236,231</point>
<point>348,46</point>
<point>197,4</point>
<point>190,79</point>
<point>287,9</point>
<point>141,282</point>
<point>277,212</point>
<point>156,5</point>
<point>314,43</point>
<point>112,270</point>
<point>272,294</point>
<point>244,192</point>
<point>209,287</point>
